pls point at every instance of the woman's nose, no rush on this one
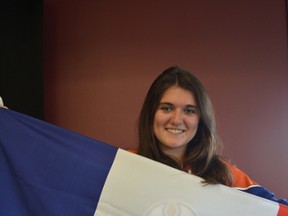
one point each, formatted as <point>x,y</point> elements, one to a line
<point>176,118</point>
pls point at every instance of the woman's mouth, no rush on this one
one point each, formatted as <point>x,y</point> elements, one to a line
<point>174,131</point>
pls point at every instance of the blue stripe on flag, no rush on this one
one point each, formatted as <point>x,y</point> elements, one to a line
<point>46,170</point>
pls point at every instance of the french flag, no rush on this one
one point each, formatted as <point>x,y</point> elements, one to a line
<point>46,170</point>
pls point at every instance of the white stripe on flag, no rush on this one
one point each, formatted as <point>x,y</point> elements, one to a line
<point>139,186</point>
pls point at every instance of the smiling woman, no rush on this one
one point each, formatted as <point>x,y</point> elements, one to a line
<point>176,121</point>
<point>196,148</point>
<point>177,127</point>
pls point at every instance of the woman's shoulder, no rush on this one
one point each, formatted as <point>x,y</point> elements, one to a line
<point>132,151</point>
<point>240,178</point>
<point>244,183</point>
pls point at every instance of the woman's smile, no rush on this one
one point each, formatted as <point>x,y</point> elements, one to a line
<point>174,130</point>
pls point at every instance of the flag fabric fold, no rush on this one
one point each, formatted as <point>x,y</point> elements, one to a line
<point>47,170</point>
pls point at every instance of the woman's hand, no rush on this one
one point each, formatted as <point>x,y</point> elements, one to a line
<point>2,104</point>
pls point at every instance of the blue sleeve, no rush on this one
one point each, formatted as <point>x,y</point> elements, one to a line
<point>264,193</point>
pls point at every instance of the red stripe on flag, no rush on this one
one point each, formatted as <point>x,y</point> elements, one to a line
<point>283,210</point>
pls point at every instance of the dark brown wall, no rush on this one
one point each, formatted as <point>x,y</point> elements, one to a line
<point>101,56</point>
<point>21,56</point>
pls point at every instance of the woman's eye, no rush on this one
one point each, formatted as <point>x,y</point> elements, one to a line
<point>190,111</point>
<point>166,108</point>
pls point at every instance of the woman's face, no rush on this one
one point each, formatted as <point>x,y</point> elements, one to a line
<point>176,121</point>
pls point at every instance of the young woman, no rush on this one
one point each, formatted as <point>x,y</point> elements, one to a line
<point>177,127</point>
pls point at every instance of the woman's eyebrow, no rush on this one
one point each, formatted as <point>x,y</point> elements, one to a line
<point>191,105</point>
<point>168,103</point>
<point>171,104</point>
